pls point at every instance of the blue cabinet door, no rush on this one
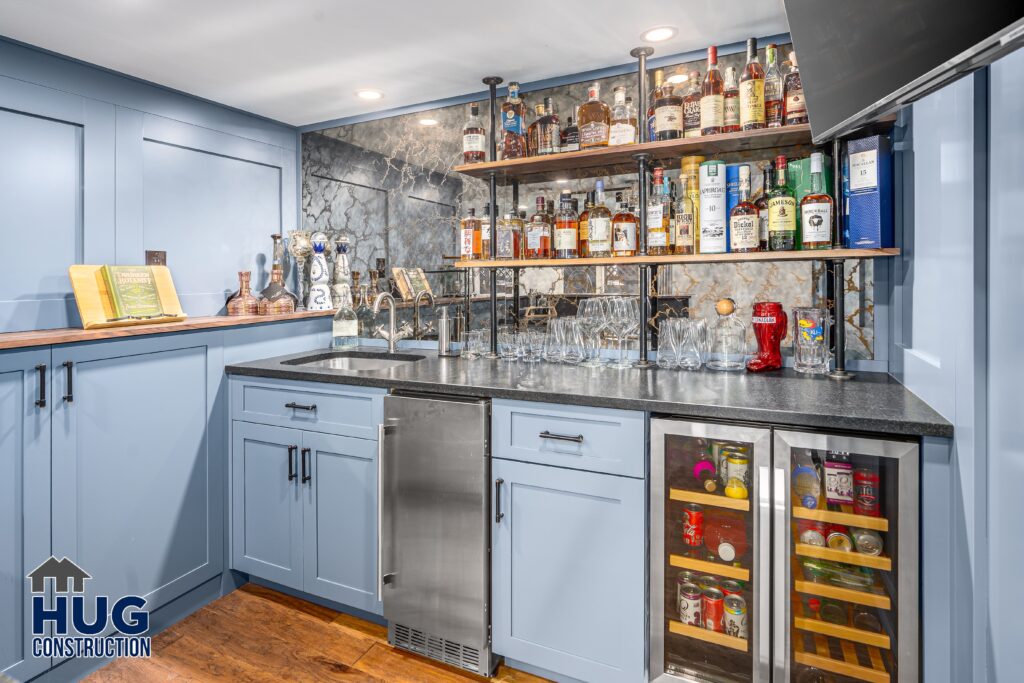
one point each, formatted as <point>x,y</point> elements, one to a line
<point>339,501</point>
<point>266,510</point>
<point>568,571</point>
<point>138,464</point>
<point>24,503</point>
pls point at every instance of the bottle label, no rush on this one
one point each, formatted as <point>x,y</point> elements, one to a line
<point>743,232</point>
<point>691,117</point>
<point>548,139</point>
<point>504,247</point>
<point>345,327</point>
<point>712,237</point>
<point>467,243</point>
<point>513,122</point>
<point>731,117</point>
<point>565,239</point>
<point>570,140</point>
<point>624,236</point>
<point>622,134</point>
<point>864,170</point>
<point>485,230</point>
<point>593,133</point>
<point>473,142</point>
<point>817,222</point>
<point>657,238</point>
<point>684,230</point>
<point>655,215</point>
<point>712,111</point>
<point>781,214</point>
<point>600,229</point>
<point>534,234</point>
<point>668,117</point>
<point>584,231</point>
<point>796,106</point>
<point>752,102</point>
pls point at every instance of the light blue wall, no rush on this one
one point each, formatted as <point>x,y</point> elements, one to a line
<point>97,168</point>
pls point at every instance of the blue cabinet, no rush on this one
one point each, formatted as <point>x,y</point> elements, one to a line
<point>568,571</point>
<point>24,502</point>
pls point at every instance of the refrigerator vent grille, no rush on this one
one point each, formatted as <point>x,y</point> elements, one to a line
<point>435,647</point>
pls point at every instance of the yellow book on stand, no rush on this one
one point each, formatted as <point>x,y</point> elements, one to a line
<point>98,309</point>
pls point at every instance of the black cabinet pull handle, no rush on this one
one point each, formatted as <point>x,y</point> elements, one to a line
<point>69,395</point>
<point>41,401</point>
<point>291,462</point>
<point>298,406</point>
<point>561,437</point>
<point>498,514</point>
<point>306,476</point>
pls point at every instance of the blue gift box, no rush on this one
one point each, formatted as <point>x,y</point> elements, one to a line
<point>868,193</point>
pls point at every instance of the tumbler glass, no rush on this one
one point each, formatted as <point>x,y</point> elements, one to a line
<point>473,344</point>
<point>668,344</point>
<point>508,344</point>
<point>692,343</point>
<point>573,348</point>
<point>810,340</point>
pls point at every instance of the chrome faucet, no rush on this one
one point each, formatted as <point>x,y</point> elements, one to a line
<point>391,335</point>
<point>417,333</point>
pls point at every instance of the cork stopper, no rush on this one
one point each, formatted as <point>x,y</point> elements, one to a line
<point>725,306</point>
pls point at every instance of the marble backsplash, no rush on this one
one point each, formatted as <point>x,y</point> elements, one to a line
<point>389,185</point>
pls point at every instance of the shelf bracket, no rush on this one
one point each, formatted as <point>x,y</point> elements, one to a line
<point>641,54</point>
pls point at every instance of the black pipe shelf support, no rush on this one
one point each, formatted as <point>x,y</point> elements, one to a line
<point>492,83</point>
<point>641,54</point>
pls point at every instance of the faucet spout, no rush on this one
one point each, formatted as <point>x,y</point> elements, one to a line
<point>392,335</point>
<point>417,333</point>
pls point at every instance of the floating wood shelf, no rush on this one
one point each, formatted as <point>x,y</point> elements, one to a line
<point>844,518</point>
<point>608,161</point>
<point>849,665</point>
<point>708,499</point>
<point>733,572</point>
<point>807,622</point>
<point>846,594</point>
<point>707,636</point>
<point>860,559</point>
<point>809,255</point>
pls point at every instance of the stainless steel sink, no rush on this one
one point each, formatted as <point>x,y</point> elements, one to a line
<point>355,361</point>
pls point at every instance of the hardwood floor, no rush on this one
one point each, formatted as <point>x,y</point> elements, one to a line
<point>257,634</point>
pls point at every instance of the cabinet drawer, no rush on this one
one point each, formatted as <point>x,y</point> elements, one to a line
<point>583,438</point>
<point>332,408</point>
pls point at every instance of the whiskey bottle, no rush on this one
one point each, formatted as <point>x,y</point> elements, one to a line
<point>469,230</point>
<point>474,137</point>
<point>538,233</point>
<point>549,130</point>
<point>712,97</point>
<point>513,125</point>
<point>657,217</point>
<point>570,136</point>
<point>567,229</point>
<point>594,119</point>
<point>731,103</point>
<point>623,126</point>
<point>752,90</point>
<point>691,106</point>
<point>652,128</point>
<point>773,89</point>
<point>584,240</point>
<point>668,114</point>
<point>816,210</point>
<point>507,233</point>
<point>624,228</point>
<point>762,206</point>
<point>533,131</point>
<point>684,227</point>
<point>743,226</point>
<point>599,225</point>
<point>485,232</point>
<point>669,198</point>
<point>781,211</point>
<point>795,105</point>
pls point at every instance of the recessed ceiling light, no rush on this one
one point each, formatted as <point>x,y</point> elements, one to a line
<point>369,94</point>
<point>658,34</point>
<point>677,78</point>
<point>428,122</point>
<point>562,181</point>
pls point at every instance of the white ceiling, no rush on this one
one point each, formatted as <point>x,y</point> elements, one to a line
<point>301,61</point>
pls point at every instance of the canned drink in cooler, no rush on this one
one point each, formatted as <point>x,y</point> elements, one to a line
<point>693,525</point>
<point>868,542</point>
<point>812,532</point>
<point>689,604</point>
<point>738,466</point>
<point>735,616</point>
<point>732,587</point>
<point>707,581</point>
<point>712,609</point>
<point>839,538</point>
<point>865,492</point>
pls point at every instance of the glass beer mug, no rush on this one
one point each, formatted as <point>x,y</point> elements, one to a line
<point>810,340</point>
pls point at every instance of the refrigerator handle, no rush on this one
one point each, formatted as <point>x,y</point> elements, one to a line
<point>764,511</point>
<point>380,511</point>
<point>780,589</point>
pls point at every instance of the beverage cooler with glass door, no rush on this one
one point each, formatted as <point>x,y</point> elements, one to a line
<point>789,556</point>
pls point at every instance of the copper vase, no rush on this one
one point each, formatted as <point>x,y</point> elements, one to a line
<point>243,302</point>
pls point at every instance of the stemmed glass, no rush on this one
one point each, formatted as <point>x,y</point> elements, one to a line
<point>300,246</point>
<point>592,317</point>
<point>623,319</point>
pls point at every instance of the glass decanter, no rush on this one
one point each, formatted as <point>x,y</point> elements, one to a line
<point>728,339</point>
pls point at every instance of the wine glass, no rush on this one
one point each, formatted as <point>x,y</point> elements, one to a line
<point>300,246</point>
<point>622,316</point>
<point>592,319</point>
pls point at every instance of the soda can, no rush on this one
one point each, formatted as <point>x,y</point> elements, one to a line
<point>735,617</point>
<point>731,587</point>
<point>865,492</point>
<point>868,542</point>
<point>689,604</point>
<point>712,609</point>
<point>839,538</point>
<point>811,532</point>
<point>693,525</point>
<point>707,581</point>
<point>737,465</point>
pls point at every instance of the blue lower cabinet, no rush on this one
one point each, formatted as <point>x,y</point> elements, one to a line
<point>266,503</point>
<point>568,571</point>
<point>24,502</point>
<point>340,519</point>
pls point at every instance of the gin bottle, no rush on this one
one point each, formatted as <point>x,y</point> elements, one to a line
<point>345,329</point>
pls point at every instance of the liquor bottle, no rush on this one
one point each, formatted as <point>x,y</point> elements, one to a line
<point>485,232</point>
<point>533,131</point>
<point>567,229</point>
<point>816,210</point>
<point>668,114</point>
<point>743,226</point>
<point>474,137</point>
<point>570,136</point>
<point>762,206</point>
<point>652,128</point>
<point>731,103</point>
<point>594,119</point>
<point>513,125</point>
<point>584,240</point>
<point>469,230</point>
<point>689,166</point>
<point>691,106</point>
<point>508,233</point>
<point>669,201</point>
<point>781,211</point>
<point>364,312</point>
<point>624,230</point>
<point>773,89</point>
<point>345,327</point>
<point>623,128</point>
<point>752,90</point>
<point>712,97</point>
<point>713,216</point>
<point>599,225</point>
<point>538,232</point>
<point>549,130</point>
<point>657,217</point>
<point>795,105</point>
<point>684,227</point>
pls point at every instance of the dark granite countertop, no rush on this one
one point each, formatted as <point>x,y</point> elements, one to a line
<point>873,402</point>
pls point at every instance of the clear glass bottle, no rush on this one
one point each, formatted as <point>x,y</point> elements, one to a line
<point>474,137</point>
<point>624,229</point>
<point>623,126</point>
<point>513,125</point>
<point>599,225</point>
<point>727,348</point>
<point>567,229</point>
<point>594,119</point>
<point>795,107</point>
<point>345,327</point>
<point>816,210</point>
<point>364,313</point>
<point>685,219</point>
<point>773,89</point>
<point>712,97</point>
<point>731,102</point>
<point>657,216</point>
<point>538,232</point>
<point>781,211</point>
<point>743,225</point>
<point>752,90</point>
